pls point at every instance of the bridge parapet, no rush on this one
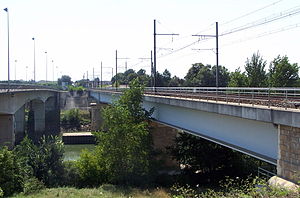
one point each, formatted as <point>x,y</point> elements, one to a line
<point>19,87</point>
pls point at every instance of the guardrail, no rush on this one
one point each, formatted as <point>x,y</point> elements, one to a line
<point>263,173</point>
<point>279,97</point>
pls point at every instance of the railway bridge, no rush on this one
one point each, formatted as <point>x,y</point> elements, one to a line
<point>261,122</point>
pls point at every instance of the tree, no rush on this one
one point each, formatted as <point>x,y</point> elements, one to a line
<point>205,76</point>
<point>43,161</point>
<point>124,149</point>
<point>176,82</point>
<point>11,178</point>
<point>255,70</point>
<point>224,75</point>
<point>199,154</point>
<point>66,79</point>
<point>238,79</point>
<point>282,73</point>
<point>207,157</point>
<point>143,78</point>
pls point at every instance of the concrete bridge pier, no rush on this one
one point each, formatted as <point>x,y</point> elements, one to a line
<point>36,123</point>
<point>96,117</point>
<point>20,124</point>
<point>288,163</point>
<point>52,116</point>
<point>7,136</point>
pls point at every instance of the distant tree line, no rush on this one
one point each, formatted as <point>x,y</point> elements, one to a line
<point>280,73</point>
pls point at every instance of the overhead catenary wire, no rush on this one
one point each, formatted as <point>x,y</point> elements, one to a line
<point>266,20</point>
<point>250,13</point>
<point>286,28</point>
<point>263,21</point>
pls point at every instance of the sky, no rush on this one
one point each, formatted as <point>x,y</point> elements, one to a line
<point>78,34</point>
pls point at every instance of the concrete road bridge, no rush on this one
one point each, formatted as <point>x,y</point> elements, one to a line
<point>261,122</point>
<point>36,105</point>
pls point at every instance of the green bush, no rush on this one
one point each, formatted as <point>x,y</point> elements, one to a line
<point>44,160</point>
<point>32,185</point>
<point>70,119</point>
<point>11,178</point>
<point>79,89</point>
<point>1,193</point>
<point>234,188</point>
<point>90,169</point>
<point>71,174</point>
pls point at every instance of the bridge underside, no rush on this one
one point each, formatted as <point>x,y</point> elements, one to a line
<point>258,139</point>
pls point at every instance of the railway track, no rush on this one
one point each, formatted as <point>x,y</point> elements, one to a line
<point>270,97</point>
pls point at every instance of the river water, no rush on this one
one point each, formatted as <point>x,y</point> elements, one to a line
<point>72,151</point>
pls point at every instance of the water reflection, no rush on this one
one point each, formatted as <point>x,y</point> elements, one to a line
<point>72,151</point>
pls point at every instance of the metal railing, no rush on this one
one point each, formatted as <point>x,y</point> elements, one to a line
<point>275,97</point>
<point>263,173</point>
<point>4,87</point>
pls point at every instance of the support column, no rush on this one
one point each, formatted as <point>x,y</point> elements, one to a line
<point>36,120</point>
<point>7,135</point>
<point>52,116</point>
<point>20,124</point>
<point>96,117</point>
<point>288,163</point>
<point>164,136</point>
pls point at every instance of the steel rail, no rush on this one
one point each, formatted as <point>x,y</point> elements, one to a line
<point>279,97</point>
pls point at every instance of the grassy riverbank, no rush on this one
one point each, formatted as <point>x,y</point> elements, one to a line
<point>105,191</point>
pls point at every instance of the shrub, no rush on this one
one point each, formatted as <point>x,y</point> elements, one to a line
<point>71,174</point>
<point>44,160</point>
<point>71,119</point>
<point>234,188</point>
<point>1,192</point>
<point>126,147</point>
<point>32,185</point>
<point>11,179</point>
<point>90,170</point>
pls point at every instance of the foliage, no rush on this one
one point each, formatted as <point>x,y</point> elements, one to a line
<point>176,82</point>
<point>234,188</point>
<point>255,70</point>
<point>104,191</point>
<point>71,119</point>
<point>71,174</point>
<point>32,185</point>
<point>90,169</point>
<point>66,79</point>
<point>79,89</point>
<point>282,73</point>
<point>238,79</point>
<point>200,155</point>
<point>200,75</point>
<point>43,161</point>
<point>123,152</point>
<point>11,177</point>
<point>1,192</point>
<point>129,75</point>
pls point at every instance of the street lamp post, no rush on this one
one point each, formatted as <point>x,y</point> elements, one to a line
<point>53,70</point>
<point>26,72</point>
<point>33,59</point>
<point>46,66</point>
<point>15,69</point>
<point>8,74</point>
